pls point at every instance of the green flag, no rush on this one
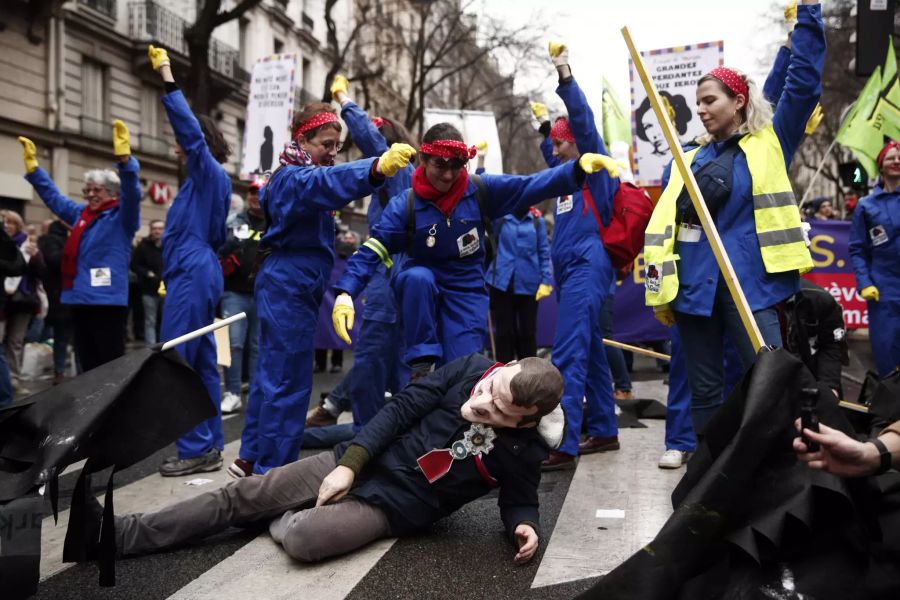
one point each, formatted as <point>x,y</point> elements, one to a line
<point>886,117</point>
<point>857,133</point>
<point>616,122</point>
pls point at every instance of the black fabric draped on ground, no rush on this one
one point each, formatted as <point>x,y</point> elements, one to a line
<point>113,416</point>
<point>750,521</point>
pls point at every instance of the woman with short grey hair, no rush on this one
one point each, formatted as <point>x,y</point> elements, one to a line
<point>97,252</point>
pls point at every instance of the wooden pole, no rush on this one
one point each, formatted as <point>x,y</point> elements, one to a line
<point>637,350</point>
<point>737,294</point>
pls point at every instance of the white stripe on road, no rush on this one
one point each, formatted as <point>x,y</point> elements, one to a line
<point>587,541</point>
<point>263,569</point>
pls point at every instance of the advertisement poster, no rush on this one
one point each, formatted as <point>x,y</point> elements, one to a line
<point>675,72</point>
<point>270,108</point>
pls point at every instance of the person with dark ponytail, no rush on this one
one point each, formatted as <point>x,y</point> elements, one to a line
<point>440,224</point>
<point>195,228</point>
<point>298,254</point>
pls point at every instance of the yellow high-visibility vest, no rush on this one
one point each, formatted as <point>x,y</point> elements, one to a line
<point>775,213</point>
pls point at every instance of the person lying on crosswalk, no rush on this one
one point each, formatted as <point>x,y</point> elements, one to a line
<point>446,440</point>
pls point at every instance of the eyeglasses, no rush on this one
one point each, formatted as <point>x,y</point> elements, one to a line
<point>330,145</point>
<point>443,164</point>
<point>93,190</point>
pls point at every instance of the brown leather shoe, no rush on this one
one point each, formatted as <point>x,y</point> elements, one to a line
<point>558,461</point>
<point>598,444</point>
<point>623,395</point>
<point>320,418</point>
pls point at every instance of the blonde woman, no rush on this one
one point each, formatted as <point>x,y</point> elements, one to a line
<point>741,168</point>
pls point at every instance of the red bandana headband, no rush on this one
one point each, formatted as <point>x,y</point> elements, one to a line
<point>377,122</point>
<point>884,151</point>
<point>562,131</point>
<point>314,121</point>
<point>732,81</point>
<point>448,149</point>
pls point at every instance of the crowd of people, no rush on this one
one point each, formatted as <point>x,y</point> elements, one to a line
<point>447,249</point>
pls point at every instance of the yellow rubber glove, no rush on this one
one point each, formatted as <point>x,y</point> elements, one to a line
<point>540,112</point>
<point>591,163</point>
<point>396,158</point>
<point>790,12</point>
<point>559,53</point>
<point>339,85</point>
<point>29,154</point>
<point>814,120</point>
<point>664,315</point>
<point>158,57</point>
<point>121,146</point>
<point>161,291</point>
<point>543,291</point>
<point>481,148</point>
<point>342,316</point>
<point>870,293</point>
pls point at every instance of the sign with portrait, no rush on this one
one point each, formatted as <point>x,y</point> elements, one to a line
<point>675,72</point>
<point>270,108</point>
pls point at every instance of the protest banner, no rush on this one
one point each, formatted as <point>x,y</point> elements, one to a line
<point>270,108</point>
<point>675,72</point>
<point>832,269</point>
<point>475,126</point>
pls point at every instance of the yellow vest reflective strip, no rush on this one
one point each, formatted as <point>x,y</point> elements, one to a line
<point>660,270</point>
<point>658,239</point>
<point>775,211</point>
<point>380,251</point>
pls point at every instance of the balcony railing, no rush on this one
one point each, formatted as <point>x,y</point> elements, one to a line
<point>148,21</point>
<point>107,7</point>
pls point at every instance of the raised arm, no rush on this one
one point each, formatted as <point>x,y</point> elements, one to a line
<point>129,176</point>
<point>184,123</point>
<point>542,116</point>
<point>364,133</point>
<point>62,207</point>
<point>803,85</point>
<point>508,193</point>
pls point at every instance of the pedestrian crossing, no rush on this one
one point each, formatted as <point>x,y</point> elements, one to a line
<point>464,552</point>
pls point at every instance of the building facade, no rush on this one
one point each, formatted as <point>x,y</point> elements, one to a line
<point>67,69</point>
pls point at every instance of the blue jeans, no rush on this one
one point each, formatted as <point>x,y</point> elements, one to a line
<point>703,341</point>
<point>679,428</point>
<point>245,331</point>
<point>614,356</point>
<point>152,304</point>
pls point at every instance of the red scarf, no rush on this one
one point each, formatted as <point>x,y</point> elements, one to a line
<point>69,265</point>
<point>445,202</point>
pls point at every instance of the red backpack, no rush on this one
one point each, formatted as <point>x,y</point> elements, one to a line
<point>623,238</point>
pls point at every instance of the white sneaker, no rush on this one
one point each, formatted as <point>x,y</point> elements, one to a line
<point>673,459</point>
<point>231,403</point>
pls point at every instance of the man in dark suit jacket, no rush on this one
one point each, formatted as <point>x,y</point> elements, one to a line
<point>445,440</point>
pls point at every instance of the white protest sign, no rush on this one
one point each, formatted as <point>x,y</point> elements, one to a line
<point>475,126</point>
<point>270,107</point>
<point>675,72</point>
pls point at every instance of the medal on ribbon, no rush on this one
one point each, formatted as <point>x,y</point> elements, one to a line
<point>478,440</point>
